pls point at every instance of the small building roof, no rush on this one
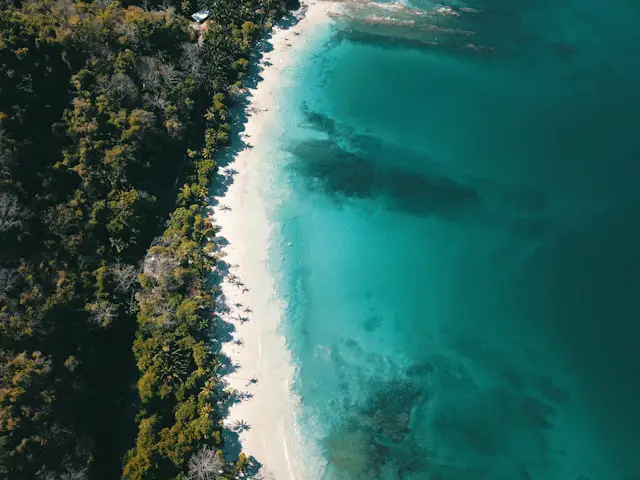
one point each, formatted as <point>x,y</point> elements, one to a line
<point>201,15</point>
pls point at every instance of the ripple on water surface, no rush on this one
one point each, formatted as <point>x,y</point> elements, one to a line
<point>462,213</point>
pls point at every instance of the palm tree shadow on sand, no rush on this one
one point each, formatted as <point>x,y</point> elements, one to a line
<point>226,314</point>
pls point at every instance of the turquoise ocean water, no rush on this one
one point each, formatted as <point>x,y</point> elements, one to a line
<point>459,220</point>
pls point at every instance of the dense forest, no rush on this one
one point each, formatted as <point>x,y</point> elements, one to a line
<point>111,116</point>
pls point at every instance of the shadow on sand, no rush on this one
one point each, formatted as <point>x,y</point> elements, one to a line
<point>226,313</point>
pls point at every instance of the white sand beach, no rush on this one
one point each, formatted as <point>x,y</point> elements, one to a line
<point>266,421</point>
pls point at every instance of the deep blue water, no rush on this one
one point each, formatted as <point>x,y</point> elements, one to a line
<point>460,229</point>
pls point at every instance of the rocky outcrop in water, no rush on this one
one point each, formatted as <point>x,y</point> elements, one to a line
<point>377,437</point>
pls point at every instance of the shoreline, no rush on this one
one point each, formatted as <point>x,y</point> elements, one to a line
<point>263,418</point>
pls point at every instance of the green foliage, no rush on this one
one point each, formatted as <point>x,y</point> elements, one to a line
<point>98,105</point>
<point>88,159</point>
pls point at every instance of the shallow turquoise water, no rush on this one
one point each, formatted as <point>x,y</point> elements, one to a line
<point>459,249</point>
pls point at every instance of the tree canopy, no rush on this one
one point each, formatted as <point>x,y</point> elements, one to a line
<point>111,116</point>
